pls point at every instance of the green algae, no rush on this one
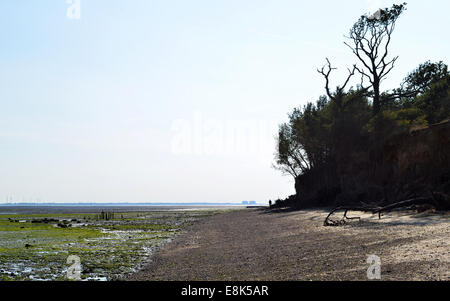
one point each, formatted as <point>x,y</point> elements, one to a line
<point>107,250</point>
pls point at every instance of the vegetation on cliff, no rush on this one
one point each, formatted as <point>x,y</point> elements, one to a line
<point>350,146</point>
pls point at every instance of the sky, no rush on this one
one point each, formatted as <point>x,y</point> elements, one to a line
<point>174,100</point>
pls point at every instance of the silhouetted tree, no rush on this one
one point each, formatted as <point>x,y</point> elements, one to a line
<point>370,39</point>
<point>340,90</point>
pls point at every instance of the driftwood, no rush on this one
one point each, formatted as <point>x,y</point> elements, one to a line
<point>373,210</point>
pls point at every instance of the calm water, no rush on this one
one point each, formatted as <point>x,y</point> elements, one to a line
<point>95,209</point>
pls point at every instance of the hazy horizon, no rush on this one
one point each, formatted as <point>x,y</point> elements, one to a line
<point>134,203</point>
<point>130,101</point>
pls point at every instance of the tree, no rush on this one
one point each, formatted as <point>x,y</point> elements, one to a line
<point>371,37</point>
<point>420,80</point>
<point>338,96</point>
<point>287,160</point>
<point>427,89</point>
<point>303,142</point>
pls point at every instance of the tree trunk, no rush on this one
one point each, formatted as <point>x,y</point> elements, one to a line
<point>376,97</point>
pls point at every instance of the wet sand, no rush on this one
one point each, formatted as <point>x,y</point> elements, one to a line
<point>254,244</point>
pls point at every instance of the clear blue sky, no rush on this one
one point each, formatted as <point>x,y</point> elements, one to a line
<point>132,101</point>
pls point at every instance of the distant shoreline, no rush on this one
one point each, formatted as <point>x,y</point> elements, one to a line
<point>124,204</point>
<point>96,208</point>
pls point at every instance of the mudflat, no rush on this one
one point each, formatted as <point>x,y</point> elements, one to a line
<point>256,244</point>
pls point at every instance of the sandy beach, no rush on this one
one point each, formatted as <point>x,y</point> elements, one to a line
<point>256,244</point>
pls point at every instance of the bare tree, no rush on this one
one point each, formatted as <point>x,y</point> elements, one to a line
<point>370,39</point>
<point>337,97</point>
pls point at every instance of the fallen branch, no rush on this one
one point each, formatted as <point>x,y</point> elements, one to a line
<point>373,210</point>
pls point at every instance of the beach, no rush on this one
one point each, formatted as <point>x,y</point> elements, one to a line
<point>258,244</point>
